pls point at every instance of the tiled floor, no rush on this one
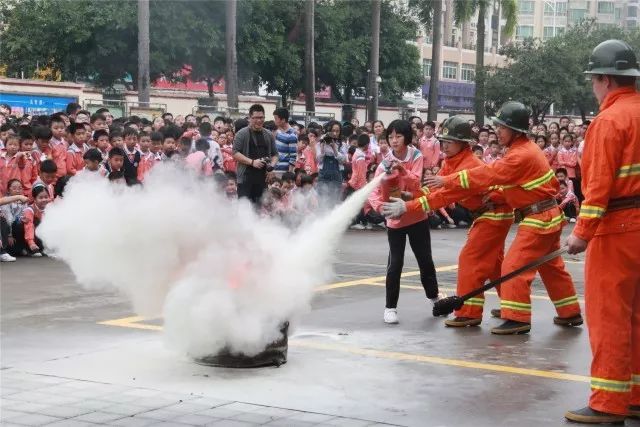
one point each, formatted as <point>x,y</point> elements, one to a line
<point>36,400</point>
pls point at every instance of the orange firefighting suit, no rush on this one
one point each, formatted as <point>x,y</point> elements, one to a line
<point>525,178</point>
<point>611,170</point>
<point>481,257</point>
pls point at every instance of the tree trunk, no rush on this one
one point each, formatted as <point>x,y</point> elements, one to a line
<point>309,60</point>
<point>435,61</point>
<point>143,52</point>
<point>231,74</point>
<point>210,86</point>
<point>480,76</point>
<point>374,59</point>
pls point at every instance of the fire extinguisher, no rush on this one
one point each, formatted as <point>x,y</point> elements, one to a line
<point>390,186</point>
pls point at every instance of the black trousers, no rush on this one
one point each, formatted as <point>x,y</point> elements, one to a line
<point>252,191</point>
<point>5,229</point>
<point>420,242</point>
<point>570,211</point>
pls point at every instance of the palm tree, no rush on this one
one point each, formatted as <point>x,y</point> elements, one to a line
<point>374,59</point>
<point>426,11</point>
<point>309,60</point>
<point>463,12</point>
<point>231,74</point>
<point>143,52</point>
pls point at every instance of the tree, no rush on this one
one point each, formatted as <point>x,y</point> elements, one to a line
<point>429,14</point>
<point>231,55</point>
<point>269,44</point>
<point>309,56</point>
<point>143,52</point>
<point>342,57</point>
<point>463,11</point>
<point>374,60</point>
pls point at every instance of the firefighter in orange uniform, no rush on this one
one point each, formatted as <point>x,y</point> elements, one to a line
<point>609,229</point>
<point>529,186</point>
<point>481,257</point>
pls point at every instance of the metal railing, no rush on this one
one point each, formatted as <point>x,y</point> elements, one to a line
<point>121,108</point>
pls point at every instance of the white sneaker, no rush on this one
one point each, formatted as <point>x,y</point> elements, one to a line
<point>451,226</point>
<point>440,296</point>
<point>5,257</point>
<point>368,227</point>
<point>390,315</point>
<point>36,255</point>
<point>572,220</point>
<point>357,227</point>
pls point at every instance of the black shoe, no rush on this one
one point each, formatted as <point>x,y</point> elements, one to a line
<point>511,327</point>
<point>568,321</point>
<point>634,411</point>
<point>495,313</point>
<point>590,416</point>
<point>461,322</point>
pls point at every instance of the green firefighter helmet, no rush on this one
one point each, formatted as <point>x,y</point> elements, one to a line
<point>456,129</point>
<point>613,58</point>
<point>514,115</point>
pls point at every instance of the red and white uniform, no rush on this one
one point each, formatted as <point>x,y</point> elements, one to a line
<point>430,149</point>
<point>30,217</point>
<point>75,162</point>
<point>358,170</point>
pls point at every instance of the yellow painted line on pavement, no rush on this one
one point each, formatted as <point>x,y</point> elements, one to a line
<point>372,280</point>
<point>394,355</point>
<point>453,290</point>
<point>133,322</point>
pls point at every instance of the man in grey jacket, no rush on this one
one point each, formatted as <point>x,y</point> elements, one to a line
<point>255,151</point>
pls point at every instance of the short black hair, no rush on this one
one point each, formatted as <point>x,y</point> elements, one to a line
<point>352,137</point>
<point>170,131</point>
<point>494,143</point>
<point>402,127</point>
<point>74,127</point>
<point>116,151</point>
<point>166,114</point>
<point>5,127</point>
<point>288,176</point>
<point>205,128</point>
<point>306,179</point>
<point>156,136</point>
<point>56,119</point>
<point>96,116</point>
<point>185,142</point>
<point>115,134</point>
<point>129,131</point>
<point>100,132</point>
<point>92,154</point>
<point>113,175</point>
<point>477,148</point>
<point>37,189</point>
<point>562,182</point>
<point>256,108</point>
<point>269,125</point>
<point>282,113</point>
<point>240,123</point>
<point>102,110</point>
<point>218,119</point>
<point>561,170</point>
<point>48,166</point>
<point>72,107</point>
<point>61,185</point>
<point>363,140</point>
<point>25,134</point>
<point>202,144</point>
<point>42,132</point>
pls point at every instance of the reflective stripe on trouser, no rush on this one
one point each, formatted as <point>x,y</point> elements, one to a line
<point>480,259</point>
<point>516,293</point>
<point>612,301</point>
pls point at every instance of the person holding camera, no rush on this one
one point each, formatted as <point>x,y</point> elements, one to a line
<point>254,149</point>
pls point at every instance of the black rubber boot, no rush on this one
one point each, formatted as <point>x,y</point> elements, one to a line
<point>495,313</point>
<point>568,321</point>
<point>461,322</point>
<point>511,327</point>
<point>634,411</point>
<point>591,416</point>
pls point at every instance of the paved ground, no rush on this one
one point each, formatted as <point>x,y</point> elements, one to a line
<point>74,357</point>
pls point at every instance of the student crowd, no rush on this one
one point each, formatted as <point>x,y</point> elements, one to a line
<point>313,164</point>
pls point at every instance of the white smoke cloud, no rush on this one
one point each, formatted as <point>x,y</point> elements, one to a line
<point>218,274</point>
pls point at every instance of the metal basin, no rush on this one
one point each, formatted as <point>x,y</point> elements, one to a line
<point>274,354</point>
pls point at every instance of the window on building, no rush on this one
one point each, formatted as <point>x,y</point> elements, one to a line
<point>632,24</point>
<point>605,7</point>
<point>468,72</point>
<point>524,32</point>
<point>632,11</point>
<point>559,31</point>
<point>618,13</point>
<point>547,33</point>
<point>576,15</point>
<point>450,70</point>
<point>526,7</point>
<point>561,8</point>
<point>426,67</point>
